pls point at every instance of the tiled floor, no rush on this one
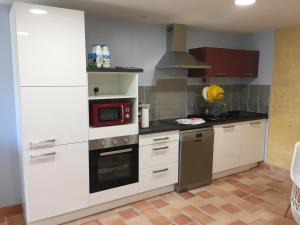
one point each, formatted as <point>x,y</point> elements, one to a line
<point>255,197</point>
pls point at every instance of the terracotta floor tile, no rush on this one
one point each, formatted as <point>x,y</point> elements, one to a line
<point>116,222</point>
<point>217,182</point>
<point>14,220</point>
<point>239,193</point>
<point>128,213</point>
<point>209,208</point>
<point>92,222</point>
<point>161,220</point>
<point>205,194</point>
<point>238,222</point>
<point>191,210</point>
<point>186,195</point>
<point>231,181</point>
<point>256,192</point>
<point>230,208</point>
<point>141,205</point>
<point>203,219</point>
<point>182,219</point>
<point>170,211</point>
<point>249,207</point>
<point>151,213</point>
<point>254,197</point>
<point>261,222</point>
<point>254,200</point>
<point>159,203</point>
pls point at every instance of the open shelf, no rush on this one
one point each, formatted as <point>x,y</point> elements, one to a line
<point>100,97</point>
<point>113,131</point>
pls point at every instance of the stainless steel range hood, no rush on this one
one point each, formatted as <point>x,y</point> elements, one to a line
<point>176,56</point>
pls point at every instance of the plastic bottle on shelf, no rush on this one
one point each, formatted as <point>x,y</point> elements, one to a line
<point>97,49</point>
<point>106,56</point>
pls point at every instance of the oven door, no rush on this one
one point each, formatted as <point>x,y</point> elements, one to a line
<point>113,167</point>
<point>107,114</point>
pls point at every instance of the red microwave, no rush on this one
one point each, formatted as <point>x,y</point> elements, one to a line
<point>109,114</point>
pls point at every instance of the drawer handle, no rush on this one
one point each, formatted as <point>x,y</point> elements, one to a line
<point>161,139</point>
<point>159,149</point>
<point>51,154</point>
<point>255,123</point>
<point>160,171</point>
<point>227,127</point>
<point>221,74</point>
<point>42,144</point>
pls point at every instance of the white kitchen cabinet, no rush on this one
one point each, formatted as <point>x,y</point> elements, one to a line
<point>57,180</point>
<point>53,116</point>
<point>158,176</point>
<point>252,142</point>
<point>158,154</point>
<point>158,160</point>
<point>49,45</point>
<point>227,142</point>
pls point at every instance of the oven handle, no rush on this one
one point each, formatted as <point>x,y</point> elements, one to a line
<point>122,113</point>
<point>116,152</point>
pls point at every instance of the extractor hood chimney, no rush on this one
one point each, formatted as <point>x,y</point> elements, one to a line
<point>176,56</point>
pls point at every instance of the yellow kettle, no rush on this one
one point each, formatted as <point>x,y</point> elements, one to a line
<point>213,93</point>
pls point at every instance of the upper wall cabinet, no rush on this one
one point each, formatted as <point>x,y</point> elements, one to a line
<point>49,45</point>
<point>226,62</point>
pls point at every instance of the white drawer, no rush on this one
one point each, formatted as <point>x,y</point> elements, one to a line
<point>149,139</point>
<point>158,154</point>
<point>158,176</point>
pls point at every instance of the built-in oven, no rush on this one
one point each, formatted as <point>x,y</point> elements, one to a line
<point>114,162</point>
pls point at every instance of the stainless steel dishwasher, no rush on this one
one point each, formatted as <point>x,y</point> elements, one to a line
<point>195,158</point>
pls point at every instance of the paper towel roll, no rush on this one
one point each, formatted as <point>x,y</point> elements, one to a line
<point>145,117</point>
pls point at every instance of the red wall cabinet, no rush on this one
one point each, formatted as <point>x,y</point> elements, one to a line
<point>226,62</point>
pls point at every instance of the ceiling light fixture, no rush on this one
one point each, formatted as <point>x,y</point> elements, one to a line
<point>244,2</point>
<point>38,11</point>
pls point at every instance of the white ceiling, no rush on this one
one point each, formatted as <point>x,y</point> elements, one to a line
<point>220,15</point>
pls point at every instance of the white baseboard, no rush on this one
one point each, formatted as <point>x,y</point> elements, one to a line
<point>233,171</point>
<point>102,207</point>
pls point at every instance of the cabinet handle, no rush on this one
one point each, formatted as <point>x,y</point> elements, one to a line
<point>42,144</point>
<point>159,149</point>
<point>51,154</point>
<point>255,123</point>
<point>161,139</point>
<point>227,127</point>
<point>160,171</point>
<point>221,74</point>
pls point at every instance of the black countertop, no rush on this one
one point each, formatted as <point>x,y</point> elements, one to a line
<point>170,124</point>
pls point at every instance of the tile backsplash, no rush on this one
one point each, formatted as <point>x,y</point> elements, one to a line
<point>252,98</point>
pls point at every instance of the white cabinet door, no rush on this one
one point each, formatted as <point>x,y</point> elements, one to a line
<point>56,180</point>
<point>54,116</point>
<point>50,45</point>
<point>253,142</point>
<point>227,143</point>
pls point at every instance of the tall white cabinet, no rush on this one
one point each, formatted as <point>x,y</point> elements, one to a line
<point>49,65</point>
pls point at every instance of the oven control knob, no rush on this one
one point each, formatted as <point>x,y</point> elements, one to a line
<point>115,141</point>
<point>126,140</point>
